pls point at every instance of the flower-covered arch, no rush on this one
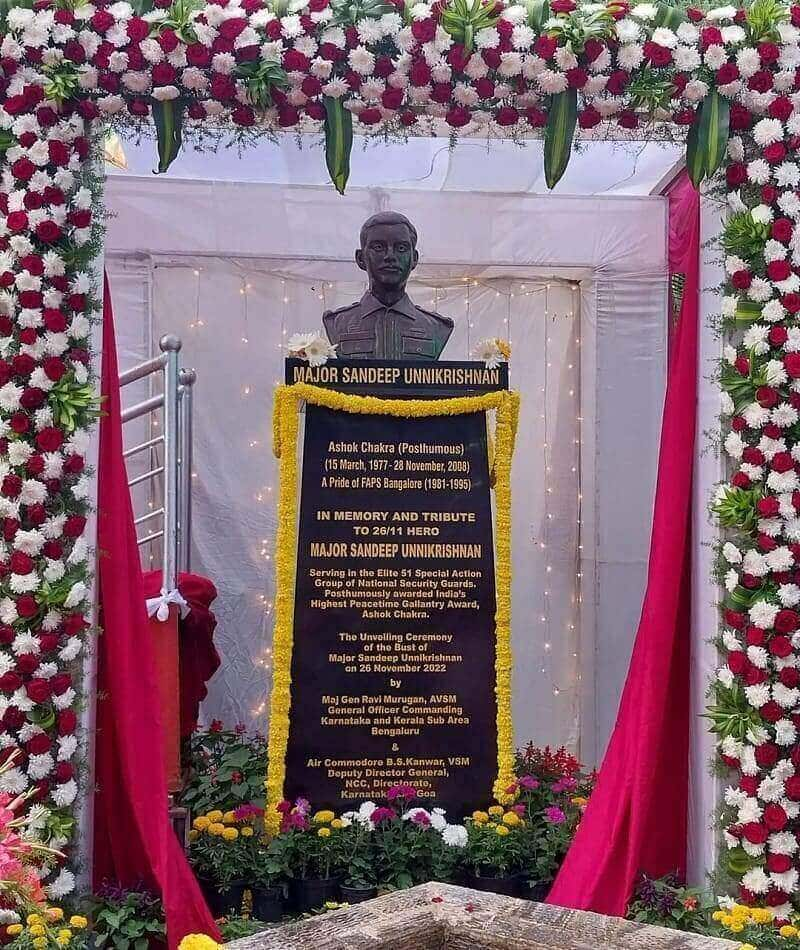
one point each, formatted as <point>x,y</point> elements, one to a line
<point>728,77</point>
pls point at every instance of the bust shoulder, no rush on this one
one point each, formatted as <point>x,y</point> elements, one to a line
<point>336,319</point>
<point>437,318</point>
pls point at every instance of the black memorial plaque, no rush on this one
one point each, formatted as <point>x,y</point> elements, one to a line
<point>393,655</point>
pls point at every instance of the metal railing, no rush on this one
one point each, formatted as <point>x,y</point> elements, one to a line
<point>170,456</point>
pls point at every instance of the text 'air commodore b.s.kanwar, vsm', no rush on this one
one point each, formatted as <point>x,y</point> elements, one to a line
<point>385,324</point>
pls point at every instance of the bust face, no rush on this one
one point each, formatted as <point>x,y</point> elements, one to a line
<point>388,256</point>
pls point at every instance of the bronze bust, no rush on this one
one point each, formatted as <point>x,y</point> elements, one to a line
<point>385,324</point>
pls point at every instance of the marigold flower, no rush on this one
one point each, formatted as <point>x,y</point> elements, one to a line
<point>495,810</point>
<point>37,930</point>
<point>34,919</point>
<point>736,926</point>
<point>54,913</point>
<point>216,829</point>
<point>78,922</point>
<point>201,823</point>
<point>480,817</point>
<point>788,931</point>
<point>324,817</point>
<point>247,832</point>
<point>324,832</point>
<point>214,816</point>
<point>39,943</point>
<point>747,946</point>
<point>502,830</point>
<point>230,834</point>
<point>761,915</point>
<point>337,823</point>
<point>64,934</point>
<point>511,819</point>
<point>14,929</point>
<point>229,817</point>
<point>197,942</point>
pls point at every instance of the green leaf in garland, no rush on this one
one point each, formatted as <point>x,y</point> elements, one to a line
<point>338,141</point>
<point>695,160</point>
<point>713,131</point>
<point>558,135</point>
<point>168,118</point>
<point>670,16</point>
<point>538,14</point>
<point>747,311</point>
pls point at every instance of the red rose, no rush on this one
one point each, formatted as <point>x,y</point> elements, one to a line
<point>760,81</point>
<point>11,486</point>
<point>791,302</point>
<point>137,29</point>
<point>782,462</point>
<point>17,221</point>
<point>748,784</point>
<point>36,515</point>
<point>766,757</point>
<point>102,21</point>
<point>657,55</point>
<point>755,833</point>
<point>288,117</point>
<point>627,119</point>
<point>741,279</point>
<point>21,563</point>
<point>736,174</point>
<point>39,744</point>
<point>458,117</point>
<point>27,606</point>
<point>38,690</point>
<point>64,771</point>
<point>775,153</point>
<point>58,152</point>
<point>54,320</point>
<point>424,31</point>
<point>789,676</point>
<point>294,60</point>
<point>10,682</point>
<point>779,270</point>
<point>782,230</point>
<point>737,662</point>
<point>779,863</point>
<point>728,72</point>
<point>506,116</point>
<point>536,118</point>
<point>780,646</point>
<point>60,683</point>
<point>589,117</point>
<point>563,6</point>
<point>244,116</point>
<point>23,169</point>
<point>735,619</point>
<point>457,57</point>
<point>791,363</point>
<point>230,29</point>
<point>392,98</point>
<point>48,232</point>
<point>577,77</point>
<point>420,73</point>
<point>49,439</point>
<point>786,621</point>
<point>767,507</point>
<point>67,722</point>
<point>163,74</point>
<point>767,397</point>
<point>771,711</point>
<point>545,47</point>
<point>778,335</point>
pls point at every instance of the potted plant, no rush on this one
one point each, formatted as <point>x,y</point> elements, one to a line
<point>223,768</point>
<point>221,855</point>
<point>310,848</point>
<point>403,838</point>
<point>494,850</point>
<point>266,882</point>
<point>360,881</point>
<point>124,919</point>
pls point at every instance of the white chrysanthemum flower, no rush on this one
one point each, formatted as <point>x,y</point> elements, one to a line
<point>758,695</point>
<point>64,882</point>
<point>768,131</point>
<point>455,836</point>
<point>758,656</point>
<point>40,766</point>
<point>731,553</point>
<point>550,83</point>
<point>756,881</point>
<point>628,31</point>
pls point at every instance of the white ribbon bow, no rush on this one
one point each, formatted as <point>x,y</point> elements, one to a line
<point>159,606</point>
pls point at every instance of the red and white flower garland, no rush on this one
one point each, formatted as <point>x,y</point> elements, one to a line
<point>63,68</point>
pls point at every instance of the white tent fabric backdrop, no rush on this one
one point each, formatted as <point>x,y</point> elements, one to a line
<point>579,287</point>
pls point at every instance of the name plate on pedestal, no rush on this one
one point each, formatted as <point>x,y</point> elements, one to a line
<point>393,654</point>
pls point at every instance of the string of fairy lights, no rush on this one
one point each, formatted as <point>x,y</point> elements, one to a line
<point>464,298</point>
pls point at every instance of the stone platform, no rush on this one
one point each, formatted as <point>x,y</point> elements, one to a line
<point>446,917</point>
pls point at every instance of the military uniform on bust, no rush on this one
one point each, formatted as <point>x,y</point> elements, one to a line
<point>385,324</point>
<point>369,329</point>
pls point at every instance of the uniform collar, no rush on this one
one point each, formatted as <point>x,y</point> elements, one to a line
<point>404,306</point>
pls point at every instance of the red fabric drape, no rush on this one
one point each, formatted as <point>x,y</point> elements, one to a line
<point>134,841</point>
<point>636,819</point>
<point>199,659</point>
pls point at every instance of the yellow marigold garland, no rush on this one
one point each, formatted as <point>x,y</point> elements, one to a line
<point>285,434</point>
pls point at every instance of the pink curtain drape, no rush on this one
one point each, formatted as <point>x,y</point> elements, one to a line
<point>636,819</point>
<point>134,841</point>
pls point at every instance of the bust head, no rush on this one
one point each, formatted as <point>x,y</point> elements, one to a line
<point>388,254</point>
